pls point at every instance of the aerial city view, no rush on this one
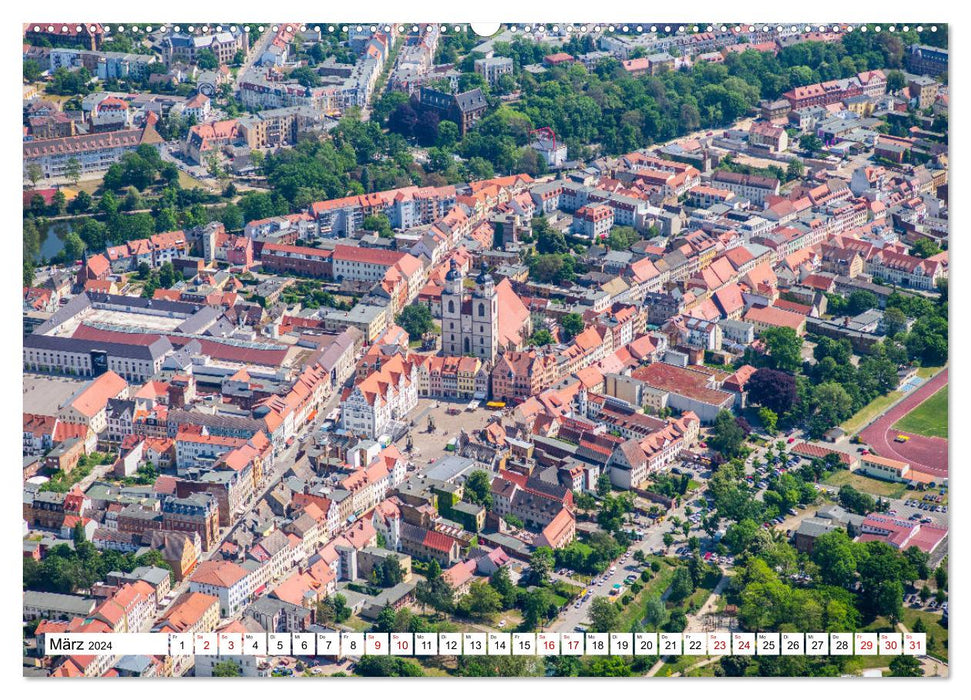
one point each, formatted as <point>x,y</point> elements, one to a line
<point>402,332</point>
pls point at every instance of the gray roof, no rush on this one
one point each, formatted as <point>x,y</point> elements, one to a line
<point>151,352</point>
<point>58,602</point>
<point>471,100</point>
<point>133,663</point>
<point>449,468</point>
<point>814,527</point>
<point>150,574</point>
<point>199,321</point>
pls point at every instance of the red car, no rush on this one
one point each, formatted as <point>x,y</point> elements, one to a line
<point>792,440</point>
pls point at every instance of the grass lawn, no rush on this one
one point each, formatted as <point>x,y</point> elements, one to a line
<point>929,418</point>
<point>434,671</point>
<point>927,372</point>
<point>90,186</point>
<point>357,624</point>
<point>866,414</point>
<point>936,633</point>
<point>698,598</point>
<point>187,182</point>
<point>654,588</point>
<point>874,487</point>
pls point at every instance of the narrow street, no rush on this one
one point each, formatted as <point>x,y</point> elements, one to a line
<point>256,50</point>
<point>280,465</point>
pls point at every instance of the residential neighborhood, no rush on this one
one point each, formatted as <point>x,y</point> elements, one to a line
<point>345,329</point>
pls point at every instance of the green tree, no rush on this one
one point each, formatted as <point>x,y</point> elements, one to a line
<point>603,485</point>
<point>478,488</point>
<point>622,237</point>
<point>727,437</point>
<point>341,609</point>
<point>538,605</point>
<point>856,501</point>
<point>572,325</point>
<point>609,667</point>
<point>385,621</point>
<point>681,585</point>
<point>73,246</point>
<point>895,81</point>
<point>380,224</point>
<point>655,613</point>
<point>768,419</point>
<point>905,666</point>
<point>540,337</point>
<point>924,248</point>
<point>811,143</point>
<point>206,60</point>
<point>925,595</point>
<point>226,669</point>
<point>482,602</point>
<point>166,275</point>
<point>72,170</point>
<point>894,321</point>
<point>548,240</point>
<point>795,169</point>
<point>503,585</point>
<point>604,615</point>
<point>541,563</point>
<point>34,173</point>
<point>860,301</point>
<point>231,217</point>
<point>32,70</point>
<point>785,348</point>
<point>391,573</point>
<point>81,203</point>
<point>832,405</point>
<point>448,134</point>
<point>918,559</point>
<point>416,319</point>
<point>835,556</point>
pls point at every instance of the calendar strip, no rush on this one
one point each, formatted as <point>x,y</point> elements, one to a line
<point>355,645</point>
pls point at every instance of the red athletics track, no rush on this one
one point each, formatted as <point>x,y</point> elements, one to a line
<point>926,454</point>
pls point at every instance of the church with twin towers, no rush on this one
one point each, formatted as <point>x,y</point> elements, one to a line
<point>470,318</point>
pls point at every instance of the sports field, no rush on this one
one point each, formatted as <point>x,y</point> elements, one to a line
<point>929,418</point>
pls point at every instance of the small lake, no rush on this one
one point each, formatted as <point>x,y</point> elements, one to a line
<point>53,242</point>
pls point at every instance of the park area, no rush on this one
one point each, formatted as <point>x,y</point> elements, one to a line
<point>874,487</point>
<point>929,418</point>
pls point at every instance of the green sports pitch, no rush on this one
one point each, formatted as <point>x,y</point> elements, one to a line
<point>929,418</point>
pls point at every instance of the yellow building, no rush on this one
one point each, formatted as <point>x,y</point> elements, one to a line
<point>884,468</point>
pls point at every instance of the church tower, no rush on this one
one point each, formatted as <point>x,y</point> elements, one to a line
<point>452,311</point>
<point>485,317</point>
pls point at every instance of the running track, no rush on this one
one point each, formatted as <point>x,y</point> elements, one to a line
<point>927,454</point>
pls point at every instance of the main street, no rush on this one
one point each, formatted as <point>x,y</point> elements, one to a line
<point>281,462</point>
